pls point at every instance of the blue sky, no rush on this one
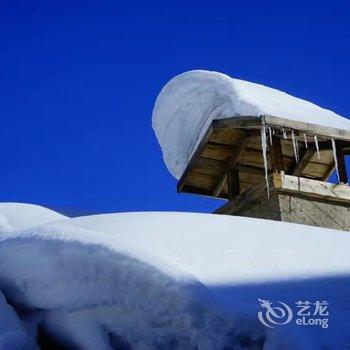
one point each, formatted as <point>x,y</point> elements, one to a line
<point>79,80</point>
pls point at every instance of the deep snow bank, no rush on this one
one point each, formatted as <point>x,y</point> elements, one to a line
<point>173,281</point>
<point>190,101</point>
<point>13,334</point>
<point>19,216</point>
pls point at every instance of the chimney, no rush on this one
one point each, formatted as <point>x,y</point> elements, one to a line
<point>273,168</point>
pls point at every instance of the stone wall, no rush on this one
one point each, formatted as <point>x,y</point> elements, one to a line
<point>299,209</point>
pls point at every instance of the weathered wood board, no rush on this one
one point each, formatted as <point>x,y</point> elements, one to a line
<point>221,148</point>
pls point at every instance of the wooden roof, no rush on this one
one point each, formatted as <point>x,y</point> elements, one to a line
<point>235,144</point>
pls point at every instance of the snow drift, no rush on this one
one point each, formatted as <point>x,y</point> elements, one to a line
<point>189,102</point>
<point>18,216</point>
<point>169,281</point>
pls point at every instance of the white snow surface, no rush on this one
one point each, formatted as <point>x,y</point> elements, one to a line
<point>18,216</point>
<point>169,281</point>
<point>189,102</point>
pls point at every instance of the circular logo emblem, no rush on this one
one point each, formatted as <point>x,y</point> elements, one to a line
<point>274,314</point>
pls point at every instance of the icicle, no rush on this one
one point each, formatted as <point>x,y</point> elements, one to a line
<point>295,147</point>
<point>270,135</point>
<point>305,139</point>
<point>317,147</point>
<point>335,159</point>
<point>264,150</point>
<point>284,134</point>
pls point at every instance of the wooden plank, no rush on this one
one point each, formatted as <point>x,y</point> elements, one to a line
<point>274,121</point>
<point>276,156</point>
<point>305,159</point>
<point>315,188</point>
<point>315,170</point>
<point>209,166</point>
<point>231,162</point>
<point>255,158</point>
<point>229,137</point>
<point>287,148</point>
<point>233,182</point>
<point>222,151</point>
<point>194,158</point>
<point>253,194</point>
<point>243,186</point>
<point>217,151</point>
<point>238,123</point>
<point>252,170</point>
<point>251,178</point>
<point>255,140</point>
<point>325,148</point>
<point>199,191</point>
<point>328,171</point>
<point>287,184</point>
<point>309,128</point>
<point>343,177</point>
<point>215,167</point>
<point>344,145</point>
<point>326,157</point>
<point>203,181</point>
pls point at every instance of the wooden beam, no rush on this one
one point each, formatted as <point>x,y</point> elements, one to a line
<point>345,145</point>
<point>254,194</point>
<point>343,177</point>
<point>194,158</point>
<point>308,128</point>
<point>232,161</point>
<point>252,126</point>
<point>237,123</point>
<point>199,191</point>
<point>341,153</point>
<point>329,171</point>
<point>233,182</point>
<point>276,156</point>
<point>250,169</point>
<point>304,161</point>
<point>315,188</point>
<point>253,122</point>
<point>292,185</point>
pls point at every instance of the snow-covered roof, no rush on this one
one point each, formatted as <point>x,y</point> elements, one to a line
<point>169,280</point>
<point>189,102</point>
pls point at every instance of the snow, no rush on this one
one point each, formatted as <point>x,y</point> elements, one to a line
<point>189,102</point>
<point>19,216</point>
<point>12,333</point>
<point>264,153</point>
<point>170,281</point>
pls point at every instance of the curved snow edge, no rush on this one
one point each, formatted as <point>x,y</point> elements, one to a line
<point>189,102</point>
